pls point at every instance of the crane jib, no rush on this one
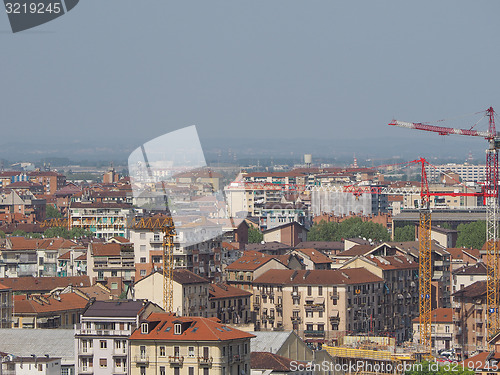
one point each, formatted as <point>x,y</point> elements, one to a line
<point>442,130</point>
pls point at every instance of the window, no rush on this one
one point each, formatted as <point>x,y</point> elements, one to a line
<point>114,273</point>
<point>144,328</point>
<point>143,259</point>
<point>177,329</point>
<point>114,286</point>
<point>143,247</point>
<point>309,290</point>
<point>103,362</point>
<point>143,368</point>
<point>191,351</point>
<point>191,371</point>
<point>118,344</point>
<point>104,344</point>
<point>162,370</point>
<point>177,371</point>
<point>162,351</point>
<point>143,236</point>
<point>143,272</point>
<point>320,290</point>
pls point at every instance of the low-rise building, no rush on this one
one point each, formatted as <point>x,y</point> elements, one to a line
<point>58,310</point>
<point>168,344</point>
<point>468,275</point>
<point>442,329</point>
<point>30,365</point>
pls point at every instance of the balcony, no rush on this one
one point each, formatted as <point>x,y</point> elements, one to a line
<point>205,361</point>
<point>86,351</point>
<point>334,295</point>
<point>310,333</point>
<point>176,360</point>
<point>86,370</point>
<point>141,359</point>
<point>236,358</point>
<point>313,307</point>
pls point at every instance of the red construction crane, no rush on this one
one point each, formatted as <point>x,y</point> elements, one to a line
<point>490,195</point>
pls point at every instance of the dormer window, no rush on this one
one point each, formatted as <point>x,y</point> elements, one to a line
<point>144,328</point>
<point>177,329</point>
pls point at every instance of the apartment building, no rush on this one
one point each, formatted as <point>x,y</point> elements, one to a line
<point>470,314</point>
<point>229,304</point>
<point>321,305</point>
<point>203,257</point>
<point>32,257</point>
<point>290,234</point>
<point>54,310</point>
<point>467,172</point>
<point>399,302</point>
<point>12,202</point>
<point>101,338</point>
<point>468,275</point>
<point>190,291</point>
<point>245,270</point>
<point>11,365</point>
<point>312,259</point>
<point>69,263</point>
<point>168,344</point>
<point>6,306</point>
<point>442,329</point>
<point>50,180</point>
<point>105,220</point>
<point>111,264</point>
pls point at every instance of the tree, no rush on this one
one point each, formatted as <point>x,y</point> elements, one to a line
<point>254,235</point>
<point>2,234</point>
<point>34,235</point>
<point>406,233</point>
<point>350,228</point>
<point>52,212</point>
<point>19,232</point>
<point>472,234</point>
<point>56,232</point>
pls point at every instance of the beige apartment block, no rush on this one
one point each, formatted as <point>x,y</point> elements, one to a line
<point>168,344</point>
<point>399,302</point>
<point>191,292</point>
<point>321,305</point>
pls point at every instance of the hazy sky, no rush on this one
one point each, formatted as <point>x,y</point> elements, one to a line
<point>128,71</point>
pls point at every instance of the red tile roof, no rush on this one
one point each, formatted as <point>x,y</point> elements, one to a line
<point>356,250</point>
<point>440,315</point>
<point>3,287</point>
<point>393,262</point>
<point>106,249</point>
<point>43,284</point>
<point>271,361</point>
<point>316,256</point>
<point>22,243</point>
<point>218,291</point>
<point>318,277</point>
<point>161,327</point>
<point>39,305</point>
<point>249,263</point>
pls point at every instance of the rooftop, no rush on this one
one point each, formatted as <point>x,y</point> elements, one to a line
<point>318,277</point>
<point>161,327</point>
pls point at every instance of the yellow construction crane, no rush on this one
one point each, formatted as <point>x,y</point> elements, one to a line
<point>490,200</point>
<point>164,224</point>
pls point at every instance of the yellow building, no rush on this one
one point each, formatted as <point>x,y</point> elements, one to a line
<point>168,344</point>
